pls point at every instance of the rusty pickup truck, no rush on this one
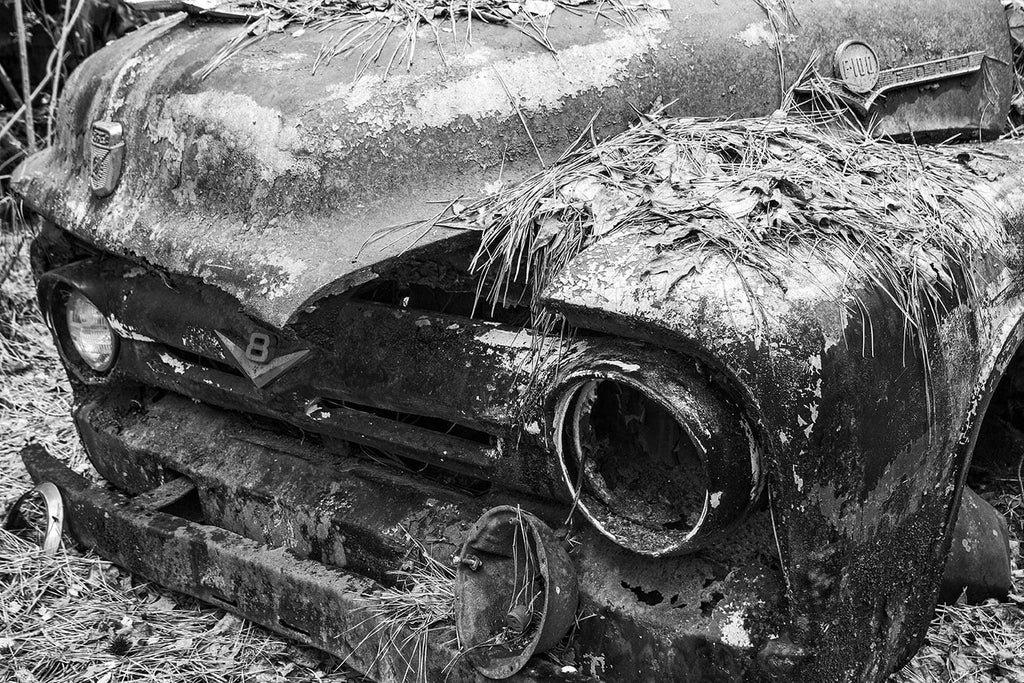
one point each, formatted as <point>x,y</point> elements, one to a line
<point>292,400</point>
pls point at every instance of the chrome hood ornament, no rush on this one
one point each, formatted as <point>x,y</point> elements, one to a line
<point>106,143</point>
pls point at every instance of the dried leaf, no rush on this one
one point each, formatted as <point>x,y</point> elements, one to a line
<point>539,8</point>
<point>550,228</point>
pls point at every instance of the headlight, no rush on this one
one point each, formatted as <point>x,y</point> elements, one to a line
<point>90,334</point>
<point>654,457</point>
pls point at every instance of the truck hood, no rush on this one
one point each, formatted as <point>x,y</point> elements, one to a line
<point>270,180</point>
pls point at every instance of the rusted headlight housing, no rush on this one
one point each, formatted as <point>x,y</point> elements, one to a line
<point>89,332</point>
<point>654,457</point>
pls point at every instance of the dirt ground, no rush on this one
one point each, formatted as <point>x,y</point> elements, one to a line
<point>78,618</point>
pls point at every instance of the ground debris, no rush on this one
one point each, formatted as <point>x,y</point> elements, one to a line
<point>70,617</point>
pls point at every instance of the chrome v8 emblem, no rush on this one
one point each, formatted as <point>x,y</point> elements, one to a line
<point>256,360</point>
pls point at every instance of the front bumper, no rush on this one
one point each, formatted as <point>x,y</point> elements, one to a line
<point>295,538</point>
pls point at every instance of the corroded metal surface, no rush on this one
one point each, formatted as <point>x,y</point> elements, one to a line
<point>266,179</point>
<point>516,591</point>
<point>346,511</point>
<point>867,446</point>
<point>245,207</point>
<point>305,600</point>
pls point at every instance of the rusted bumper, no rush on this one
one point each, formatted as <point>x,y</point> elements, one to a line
<point>308,601</point>
<point>296,537</point>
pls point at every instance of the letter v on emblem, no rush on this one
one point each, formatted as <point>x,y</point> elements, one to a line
<point>261,374</point>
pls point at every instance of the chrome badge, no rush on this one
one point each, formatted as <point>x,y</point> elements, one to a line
<point>856,66</point>
<point>860,82</point>
<point>257,359</point>
<point>107,154</point>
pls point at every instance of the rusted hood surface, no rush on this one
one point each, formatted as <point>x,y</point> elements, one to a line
<point>267,179</point>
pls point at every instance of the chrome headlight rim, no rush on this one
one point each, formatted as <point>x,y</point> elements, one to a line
<point>731,461</point>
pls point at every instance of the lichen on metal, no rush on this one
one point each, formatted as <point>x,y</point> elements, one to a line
<point>781,342</point>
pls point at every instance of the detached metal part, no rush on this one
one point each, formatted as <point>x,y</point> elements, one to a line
<point>247,210</point>
<point>345,514</point>
<point>54,506</point>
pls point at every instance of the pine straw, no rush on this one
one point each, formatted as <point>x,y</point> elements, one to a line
<point>370,25</point>
<point>768,193</point>
<point>60,615</point>
<point>417,610</point>
<point>70,618</point>
<point>35,396</point>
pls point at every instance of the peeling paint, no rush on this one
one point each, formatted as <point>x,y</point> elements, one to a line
<point>535,81</point>
<point>178,366</point>
<point>126,331</point>
<point>734,631</point>
<point>260,131</point>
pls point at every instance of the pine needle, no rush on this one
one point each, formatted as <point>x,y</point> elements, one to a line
<point>767,193</point>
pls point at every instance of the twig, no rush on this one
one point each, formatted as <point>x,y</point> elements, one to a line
<point>58,70</point>
<point>522,118</point>
<point>12,92</point>
<point>49,72</point>
<point>26,83</point>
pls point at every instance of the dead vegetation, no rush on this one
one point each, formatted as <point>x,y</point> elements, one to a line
<point>417,610</point>
<point>981,643</point>
<point>770,193</point>
<point>371,25</point>
<point>72,616</point>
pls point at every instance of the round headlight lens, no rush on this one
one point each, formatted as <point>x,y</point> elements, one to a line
<point>91,335</point>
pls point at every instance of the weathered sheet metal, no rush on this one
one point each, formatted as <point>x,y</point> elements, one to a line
<point>266,179</point>
<point>867,443</point>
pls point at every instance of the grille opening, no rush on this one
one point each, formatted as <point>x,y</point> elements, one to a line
<point>282,428</point>
<point>435,298</point>
<point>434,424</point>
<point>202,361</point>
<point>471,486</point>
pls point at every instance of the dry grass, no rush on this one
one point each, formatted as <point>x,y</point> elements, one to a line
<point>35,397</point>
<point>980,643</point>
<point>71,607</point>
<point>417,610</point>
<point>71,618</point>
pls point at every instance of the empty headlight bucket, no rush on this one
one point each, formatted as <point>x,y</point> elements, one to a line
<point>91,336</point>
<point>654,457</point>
